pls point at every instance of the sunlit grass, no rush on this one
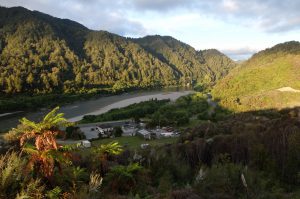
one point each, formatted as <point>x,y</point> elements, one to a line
<point>134,142</point>
<point>256,84</point>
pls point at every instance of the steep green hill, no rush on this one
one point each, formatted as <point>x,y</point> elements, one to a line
<point>215,59</point>
<point>43,54</point>
<point>190,65</point>
<point>255,84</point>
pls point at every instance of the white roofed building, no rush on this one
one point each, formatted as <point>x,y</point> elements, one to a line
<point>146,134</point>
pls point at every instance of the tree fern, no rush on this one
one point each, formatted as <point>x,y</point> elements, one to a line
<point>44,154</point>
<point>113,148</point>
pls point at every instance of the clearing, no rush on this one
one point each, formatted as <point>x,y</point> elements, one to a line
<point>134,142</point>
<point>288,89</point>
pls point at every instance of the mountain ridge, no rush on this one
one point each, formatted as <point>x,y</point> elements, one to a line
<point>45,54</point>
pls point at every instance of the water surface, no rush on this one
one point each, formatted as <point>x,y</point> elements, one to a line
<point>77,110</point>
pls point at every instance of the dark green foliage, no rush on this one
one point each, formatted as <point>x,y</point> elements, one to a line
<point>165,183</point>
<point>179,113</point>
<point>189,66</point>
<point>224,180</point>
<point>42,54</point>
<point>123,179</point>
<point>266,144</point>
<point>73,132</point>
<point>246,155</point>
<point>161,112</point>
<point>216,59</point>
<point>33,102</point>
<point>200,87</point>
<point>203,116</point>
<point>132,111</point>
<point>117,131</point>
<point>11,177</point>
<point>167,115</point>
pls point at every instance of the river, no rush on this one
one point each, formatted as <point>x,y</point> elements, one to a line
<point>75,111</point>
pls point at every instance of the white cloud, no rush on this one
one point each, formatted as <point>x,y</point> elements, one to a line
<point>230,5</point>
<point>225,24</point>
<point>269,15</point>
<point>239,53</point>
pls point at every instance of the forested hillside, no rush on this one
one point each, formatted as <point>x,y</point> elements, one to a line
<point>190,65</point>
<point>42,54</point>
<point>257,83</point>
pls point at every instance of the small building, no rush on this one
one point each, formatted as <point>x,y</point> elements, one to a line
<point>105,127</point>
<point>145,134</point>
<point>142,125</point>
<point>167,134</point>
<point>129,130</point>
<point>105,130</point>
<point>86,143</point>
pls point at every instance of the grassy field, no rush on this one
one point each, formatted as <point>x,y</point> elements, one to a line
<point>135,141</point>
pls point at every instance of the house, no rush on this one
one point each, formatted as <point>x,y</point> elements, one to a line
<point>86,143</point>
<point>129,130</point>
<point>145,134</point>
<point>142,125</point>
<point>167,134</point>
<point>105,130</point>
<point>105,127</point>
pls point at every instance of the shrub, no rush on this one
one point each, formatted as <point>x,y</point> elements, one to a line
<point>123,179</point>
<point>117,131</point>
<point>74,132</point>
<point>11,173</point>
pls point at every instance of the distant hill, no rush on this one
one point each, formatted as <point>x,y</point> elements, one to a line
<point>43,54</point>
<point>203,66</point>
<point>256,83</point>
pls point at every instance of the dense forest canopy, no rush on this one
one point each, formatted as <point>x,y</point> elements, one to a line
<point>43,54</point>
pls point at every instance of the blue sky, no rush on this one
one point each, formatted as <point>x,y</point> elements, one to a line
<point>238,28</point>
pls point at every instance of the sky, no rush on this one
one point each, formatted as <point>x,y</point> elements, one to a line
<point>238,28</point>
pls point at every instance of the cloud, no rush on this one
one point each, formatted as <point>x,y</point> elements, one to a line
<point>161,5</point>
<point>267,15</point>
<point>120,25</point>
<point>96,14</point>
<point>239,53</point>
<point>221,24</point>
<point>230,5</point>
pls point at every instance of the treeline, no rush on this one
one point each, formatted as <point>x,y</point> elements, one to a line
<point>34,102</point>
<point>134,111</point>
<point>247,155</point>
<point>42,54</point>
<point>164,112</point>
<point>262,145</point>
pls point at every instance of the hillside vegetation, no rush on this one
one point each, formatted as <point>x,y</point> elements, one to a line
<point>245,155</point>
<point>255,84</point>
<point>43,54</point>
<point>191,66</point>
